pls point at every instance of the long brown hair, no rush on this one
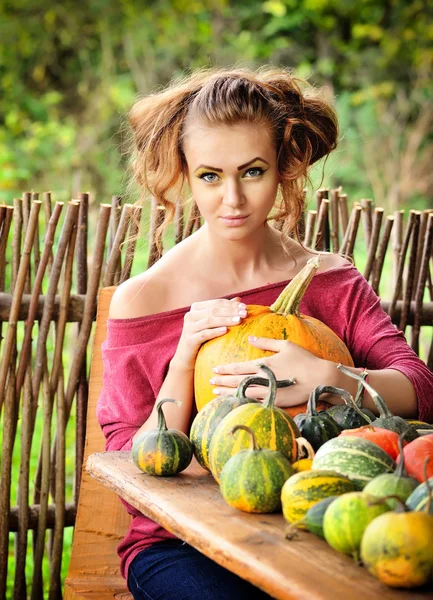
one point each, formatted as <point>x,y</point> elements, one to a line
<point>302,121</point>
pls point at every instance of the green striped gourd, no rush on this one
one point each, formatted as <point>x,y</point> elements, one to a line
<point>211,415</point>
<point>397,484</point>
<point>273,428</point>
<point>162,451</point>
<point>357,458</point>
<point>252,479</point>
<point>418,499</point>
<point>347,518</point>
<point>305,489</point>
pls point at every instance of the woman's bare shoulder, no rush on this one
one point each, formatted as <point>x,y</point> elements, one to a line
<point>330,261</point>
<point>154,290</point>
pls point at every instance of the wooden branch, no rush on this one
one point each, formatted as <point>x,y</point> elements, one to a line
<point>116,207</point>
<point>63,314</point>
<point>16,300</point>
<point>349,239</point>
<point>155,239</point>
<point>43,489</point>
<point>9,428</point>
<point>193,213</point>
<point>27,200</point>
<point>114,262</point>
<point>378,263</point>
<point>36,247</point>
<point>82,250</point>
<point>397,244</point>
<point>343,212</point>
<point>89,306</point>
<point>60,516</point>
<point>374,239</point>
<point>16,239</point>
<point>68,225</point>
<point>75,309</point>
<point>401,259</point>
<point>420,286</point>
<point>322,223</point>
<point>179,222</point>
<point>134,228</point>
<point>48,212</point>
<point>8,212</point>
<point>410,270</point>
<point>309,227</point>
<point>25,353</point>
<point>335,220</point>
<point>22,512</point>
<point>367,220</point>
<point>33,516</point>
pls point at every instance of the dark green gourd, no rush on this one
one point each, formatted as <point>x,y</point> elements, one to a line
<point>318,426</point>
<point>351,414</point>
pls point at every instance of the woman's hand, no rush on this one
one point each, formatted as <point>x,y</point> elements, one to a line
<point>289,360</point>
<point>205,321</point>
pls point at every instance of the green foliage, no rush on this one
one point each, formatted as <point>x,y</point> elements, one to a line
<point>69,72</point>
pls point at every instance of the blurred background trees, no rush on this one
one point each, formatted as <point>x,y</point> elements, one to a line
<point>69,72</point>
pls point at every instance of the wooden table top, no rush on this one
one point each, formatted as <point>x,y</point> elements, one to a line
<point>252,546</point>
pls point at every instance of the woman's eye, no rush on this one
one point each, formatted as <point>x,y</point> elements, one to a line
<point>206,175</point>
<point>255,172</point>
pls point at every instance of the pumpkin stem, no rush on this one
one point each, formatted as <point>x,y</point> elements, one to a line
<point>254,444</point>
<point>379,402</point>
<point>401,506</point>
<point>162,425</point>
<point>254,380</point>
<point>325,389</point>
<point>289,301</point>
<point>291,531</point>
<point>353,404</point>
<point>269,401</point>
<point>302,445</point>
<point>429,490</point>
<point>360,391</point>
<point>401,466</point>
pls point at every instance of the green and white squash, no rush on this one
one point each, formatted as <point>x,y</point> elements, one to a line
<point>358,459</point>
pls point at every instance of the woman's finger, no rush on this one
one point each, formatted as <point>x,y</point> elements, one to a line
<point>231,381</point>
<point>267,343</point>
<point>249,367</point>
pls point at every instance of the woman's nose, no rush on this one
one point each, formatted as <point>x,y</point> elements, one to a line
<point>233,194</point>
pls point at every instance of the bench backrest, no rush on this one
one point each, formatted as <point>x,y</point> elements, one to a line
<point>102,520</point>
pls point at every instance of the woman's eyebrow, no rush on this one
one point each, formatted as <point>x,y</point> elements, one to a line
<point>239,168</point>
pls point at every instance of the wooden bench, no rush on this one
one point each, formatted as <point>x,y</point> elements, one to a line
<point>101,521</point>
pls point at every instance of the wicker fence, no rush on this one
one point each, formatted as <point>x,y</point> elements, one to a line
<point>48,297</point>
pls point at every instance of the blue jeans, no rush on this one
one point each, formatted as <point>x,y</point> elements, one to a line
<point>173,570</point>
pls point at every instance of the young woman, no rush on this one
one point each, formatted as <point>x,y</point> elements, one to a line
<point>242,142</point>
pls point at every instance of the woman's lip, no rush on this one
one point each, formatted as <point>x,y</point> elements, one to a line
<point>234,221</point>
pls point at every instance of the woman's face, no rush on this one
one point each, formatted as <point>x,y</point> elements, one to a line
<point>233,177</point>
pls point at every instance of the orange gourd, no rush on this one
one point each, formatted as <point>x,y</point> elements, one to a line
<point>281,321</point>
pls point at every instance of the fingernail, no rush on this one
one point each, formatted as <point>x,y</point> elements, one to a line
<point>236,319</point>
<point>243,313</point>
<point>215,391</point>
<point>212,381</point>
<point>253,338</point>
<point>241,305</point>
<point>216,369</point>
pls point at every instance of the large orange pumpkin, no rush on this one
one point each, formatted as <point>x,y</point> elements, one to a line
<point>281,321</point>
